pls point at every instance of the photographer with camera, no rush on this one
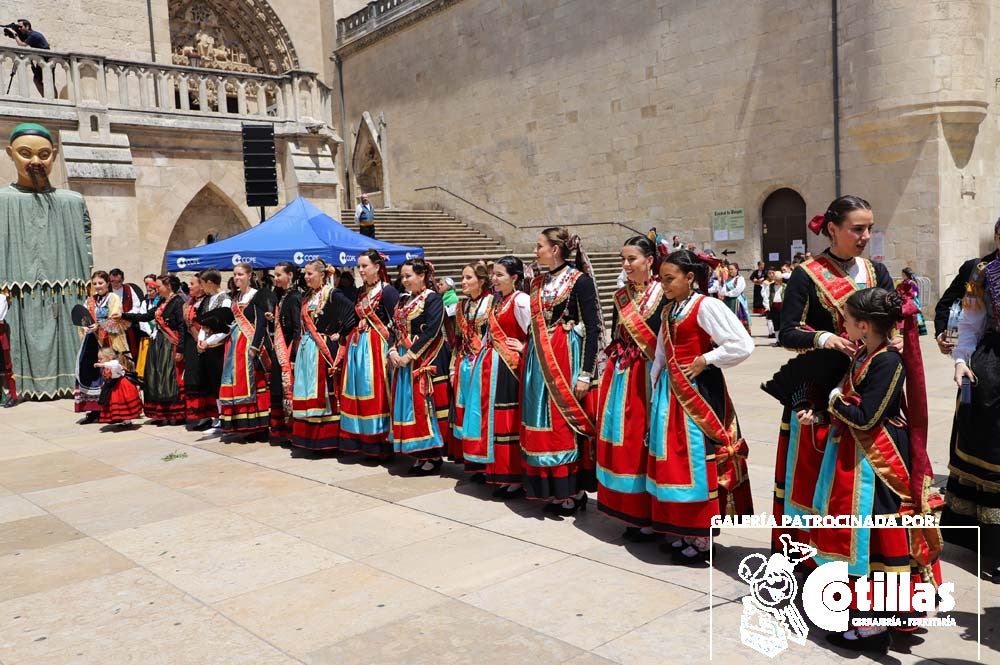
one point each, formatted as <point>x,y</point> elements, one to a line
<point>21,32</point>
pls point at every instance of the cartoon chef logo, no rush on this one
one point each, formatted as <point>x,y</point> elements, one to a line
<point>770,619</point>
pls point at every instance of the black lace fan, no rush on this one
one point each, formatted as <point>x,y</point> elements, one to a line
<point>217,320</point>
<point>80,316</point>
<point>805,381</point>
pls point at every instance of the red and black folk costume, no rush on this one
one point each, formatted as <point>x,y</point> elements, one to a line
<point>163,391</point>
<point>200,404</point>
<point>281,347</point>
<point>319,362</point>
<point>812,310</point>
<point>470,327</point>
<point>697,456</point>
<point>491,422</point>
<point>365,409</point>
<point>244,397</point>
<point>624,399</point>
<point>420,389</point>
<point>557,429</point>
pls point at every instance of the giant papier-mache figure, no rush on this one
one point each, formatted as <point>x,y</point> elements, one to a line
<point>45,264</point>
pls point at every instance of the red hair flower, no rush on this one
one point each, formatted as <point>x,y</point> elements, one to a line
<point>816,223</point>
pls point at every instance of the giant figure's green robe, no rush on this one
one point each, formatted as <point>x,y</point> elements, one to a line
<point>45,263</point>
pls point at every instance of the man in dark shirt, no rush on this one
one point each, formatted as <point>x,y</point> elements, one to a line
<point>28,38</point>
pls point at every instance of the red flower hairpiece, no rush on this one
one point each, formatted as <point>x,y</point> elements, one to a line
<point>816,223</point>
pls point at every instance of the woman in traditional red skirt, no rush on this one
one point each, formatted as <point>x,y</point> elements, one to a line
<point>871,467</point>
<point>697,456</point>
<point>282,347</point>
<point>470,326</point>
<point>491,422</point>
<point>245,397</point>
<point>105,332</point>
<point>163,382</point>
<point>365,409</point>
<point>120,402</point>
<point>624,394</point>
<point>557,414</point>
<point>327,318</point>
<point>419,354</point>
<point>812,318</point>
<point>201,405</point>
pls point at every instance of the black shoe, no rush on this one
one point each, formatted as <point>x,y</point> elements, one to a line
<point>199,425</point>
<point>634,534</point>
<point>996,575</point>
<point>478,478</point>
<point>419,469</point>
<point>564,511</point>
<point>8,403</point>
<point>501,493</point>
<point>697,559</point>
<point>90,418</point>
<point>878,643</point>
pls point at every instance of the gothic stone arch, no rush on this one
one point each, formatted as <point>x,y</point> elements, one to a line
<point>231,35</point>
<point>366,163</point>
<point>210,211</point>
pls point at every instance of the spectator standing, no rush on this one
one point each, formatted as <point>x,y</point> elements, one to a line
<point>364,215</point>
<point>757,277</point>
<point>6,366</point>
<point>25,37</point>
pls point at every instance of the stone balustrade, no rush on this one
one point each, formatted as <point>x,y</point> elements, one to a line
<point>368,23</point>
<point>74,80</point>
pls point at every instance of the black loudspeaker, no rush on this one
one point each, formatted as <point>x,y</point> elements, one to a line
<point>259,170</point>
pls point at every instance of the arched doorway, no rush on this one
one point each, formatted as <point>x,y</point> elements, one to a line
<point>369,170</point>
<point>209,213</point>
<point>783,221</point>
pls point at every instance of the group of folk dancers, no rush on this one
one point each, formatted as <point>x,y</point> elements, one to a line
<point>514,388</point>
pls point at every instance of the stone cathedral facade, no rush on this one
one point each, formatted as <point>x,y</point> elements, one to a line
<point>605,116</point>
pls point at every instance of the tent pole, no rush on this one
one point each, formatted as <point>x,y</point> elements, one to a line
<point>262,214</point>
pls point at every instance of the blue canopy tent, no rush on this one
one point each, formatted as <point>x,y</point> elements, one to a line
<point>299,232</point>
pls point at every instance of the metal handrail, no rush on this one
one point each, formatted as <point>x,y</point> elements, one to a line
<point>624,226</point>
<point>477,207</point>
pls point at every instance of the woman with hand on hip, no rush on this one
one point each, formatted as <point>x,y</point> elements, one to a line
<point>557,407</point>
<point>419,354</point>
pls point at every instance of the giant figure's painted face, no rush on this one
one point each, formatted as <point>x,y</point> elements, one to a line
<point>33,156</point>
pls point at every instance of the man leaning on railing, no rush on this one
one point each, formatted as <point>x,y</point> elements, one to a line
<point>21,32</point>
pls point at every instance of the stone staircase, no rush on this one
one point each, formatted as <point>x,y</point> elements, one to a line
<point>451,244</point>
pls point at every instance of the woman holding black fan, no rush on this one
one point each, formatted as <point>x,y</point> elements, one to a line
<point>812,317</point>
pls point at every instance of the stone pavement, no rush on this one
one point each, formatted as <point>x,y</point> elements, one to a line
<point>112,552</point>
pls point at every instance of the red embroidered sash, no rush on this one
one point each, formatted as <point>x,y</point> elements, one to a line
<point>307,322</point>
<point>423,367</point>
<point>471,339</point>
<point>172,335</point>
<point>834,286</point>
<point>560,391</point>
<point>499,338</point>
<point>248,331</point>
<point>634,322</point>
<point>367,310</point>
<point>190,316</point>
